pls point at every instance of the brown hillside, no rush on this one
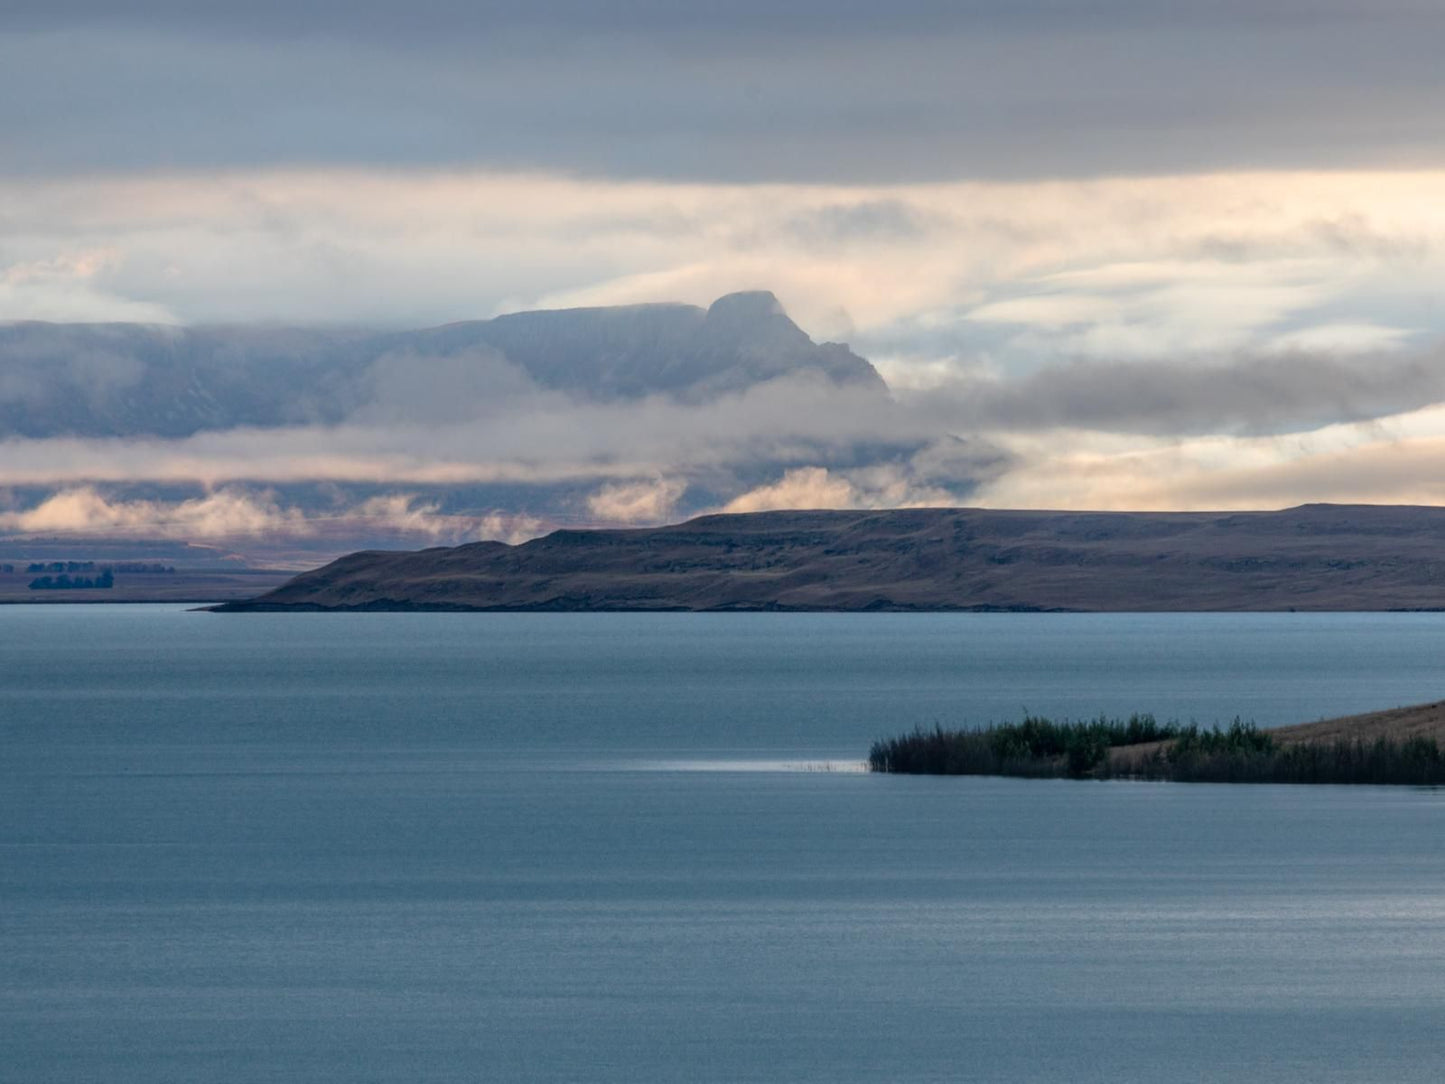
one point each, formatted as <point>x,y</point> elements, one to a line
<point>1317,557</point>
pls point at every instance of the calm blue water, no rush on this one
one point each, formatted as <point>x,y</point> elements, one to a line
<point>561,848</point>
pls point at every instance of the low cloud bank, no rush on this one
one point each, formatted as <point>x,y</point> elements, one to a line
<point>225,514</point>
<point>649,501</point>
<point>638,461</point>
<point>238,515</point>
<point>1259,431</point>
<point>817,487</point>
<point>1269,393</point>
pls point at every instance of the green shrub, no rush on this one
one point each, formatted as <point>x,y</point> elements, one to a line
<point>1239,753</point>
<point>1033,747</point>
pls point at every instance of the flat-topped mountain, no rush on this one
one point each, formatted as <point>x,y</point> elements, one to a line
<point>121,380</point>
<point>1316,557</point>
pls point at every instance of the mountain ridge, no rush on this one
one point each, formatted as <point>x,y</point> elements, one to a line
<point>1313,557</point>
<point>123,380</point>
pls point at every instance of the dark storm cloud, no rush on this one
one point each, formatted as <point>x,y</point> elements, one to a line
<point>446,18</point>
<point>1255,396</point>
<point>747,91</point>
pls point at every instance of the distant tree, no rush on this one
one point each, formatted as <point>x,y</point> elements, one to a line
<point>66,582</point>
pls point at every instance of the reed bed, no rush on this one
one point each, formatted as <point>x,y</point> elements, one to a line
<point>1039,748</point>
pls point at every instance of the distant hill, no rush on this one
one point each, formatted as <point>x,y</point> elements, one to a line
<point>122,380</point>
<point>1316,557</point>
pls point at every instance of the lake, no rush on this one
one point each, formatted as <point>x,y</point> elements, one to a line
<point>612,847</point>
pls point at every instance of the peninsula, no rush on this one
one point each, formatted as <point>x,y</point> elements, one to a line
<point>1397,746</point>
<point>1315,557</point>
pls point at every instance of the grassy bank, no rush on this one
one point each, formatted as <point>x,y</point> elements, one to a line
<point>1142,748</point>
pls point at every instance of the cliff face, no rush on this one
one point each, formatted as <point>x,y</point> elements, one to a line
<point>1318,557</point>
<point>636,350</point>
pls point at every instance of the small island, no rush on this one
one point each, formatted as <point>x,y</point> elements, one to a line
<point>1400,746</point>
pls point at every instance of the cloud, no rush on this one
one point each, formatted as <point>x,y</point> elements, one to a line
<point>646,502</point>
<point>225,514</point>
<point>1106,266</point>
<point>1283,391</point>
<point>544,439</point>
<point>1393,461</point>
<point>239,515</point>
<point>805,487</point>
<point>867,220</point>
<point>791,442</point>
<point>1232,305</point>
<point>512,529</point>
<point>529,460</point>
<point>67,286</point>
<point>817,487</point>
<point>402,512</point>
<point>807,91</point>
<point>1342,338</point>
<point>1139,308</point>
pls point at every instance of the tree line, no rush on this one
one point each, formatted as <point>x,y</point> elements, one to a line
<point>1239,753</point>
<point>66,582</point>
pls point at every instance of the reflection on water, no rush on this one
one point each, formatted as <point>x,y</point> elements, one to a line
<point>721,765</point>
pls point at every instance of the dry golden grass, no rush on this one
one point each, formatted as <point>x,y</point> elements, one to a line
<point>1397,724</point>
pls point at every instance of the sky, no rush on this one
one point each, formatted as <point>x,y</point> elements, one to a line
<point>1141,254</point>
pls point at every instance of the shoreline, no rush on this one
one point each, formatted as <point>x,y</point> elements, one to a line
<point>1393,746</point>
